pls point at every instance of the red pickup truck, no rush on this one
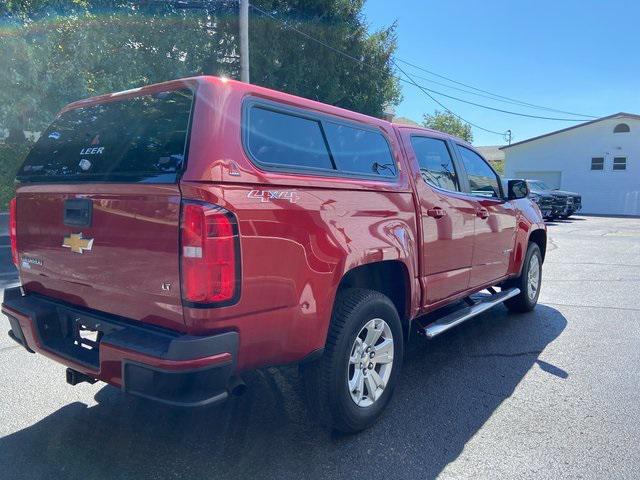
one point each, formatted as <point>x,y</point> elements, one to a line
<point>171,237</point>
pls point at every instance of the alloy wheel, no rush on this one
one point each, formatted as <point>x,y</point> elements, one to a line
<point>533,277</point>
<point>370,362</point>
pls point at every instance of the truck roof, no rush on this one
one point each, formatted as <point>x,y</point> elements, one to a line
<point>194,82</point>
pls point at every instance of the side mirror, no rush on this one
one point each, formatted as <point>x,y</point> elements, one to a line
<point>517,189</point>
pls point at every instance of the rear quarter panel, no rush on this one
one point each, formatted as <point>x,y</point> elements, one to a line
<point>295,249</point>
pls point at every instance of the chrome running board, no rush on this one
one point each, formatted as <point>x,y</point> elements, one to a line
<point>462,315</point>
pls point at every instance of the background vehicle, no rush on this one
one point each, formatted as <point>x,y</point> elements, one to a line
<point>172,237</point>
<point>546,203</point>
<point>566,203</point>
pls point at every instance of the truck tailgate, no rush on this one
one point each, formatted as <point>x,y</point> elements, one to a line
<point>125,262</point>
<point>98,205</point>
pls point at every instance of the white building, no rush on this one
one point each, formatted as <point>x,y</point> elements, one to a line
<point>598,159</point>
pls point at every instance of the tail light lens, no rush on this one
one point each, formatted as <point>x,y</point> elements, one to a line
<point>13,231</point>
<point>210,255</point>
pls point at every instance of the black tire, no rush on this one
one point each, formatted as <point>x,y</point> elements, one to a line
<point>523,302</point>
<point>326,379</point>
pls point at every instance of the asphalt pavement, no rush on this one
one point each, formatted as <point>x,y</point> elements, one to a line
<point>549,394</point>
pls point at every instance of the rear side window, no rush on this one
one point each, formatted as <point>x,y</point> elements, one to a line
<point>357,150</point>
<point>276,138</point>
<point>436,164</point>
<point>139,139</point>
<point>287,140</point>
<point>482,179</point>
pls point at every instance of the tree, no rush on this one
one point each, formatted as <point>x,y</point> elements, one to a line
<point>447,122</point>
<point>58,51</point>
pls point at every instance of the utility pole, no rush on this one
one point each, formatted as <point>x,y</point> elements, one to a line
<point>508,136</point>
<point>244,40</point>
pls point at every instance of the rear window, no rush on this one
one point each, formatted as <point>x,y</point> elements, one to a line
<point>140,139</point>
<point>291,141</point>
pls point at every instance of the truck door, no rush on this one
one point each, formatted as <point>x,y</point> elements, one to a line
<point>495,222</point>
<point>447,217</point>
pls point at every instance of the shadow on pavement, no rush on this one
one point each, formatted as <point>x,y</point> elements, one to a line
<point>449,388</point>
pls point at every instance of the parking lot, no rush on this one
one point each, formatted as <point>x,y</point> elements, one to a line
<point>550,394</point>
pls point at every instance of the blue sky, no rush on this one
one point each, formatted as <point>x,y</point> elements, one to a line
<point>574,55</point>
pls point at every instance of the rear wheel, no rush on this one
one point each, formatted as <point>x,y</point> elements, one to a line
<point>528,282</point>
<point>351,384</point>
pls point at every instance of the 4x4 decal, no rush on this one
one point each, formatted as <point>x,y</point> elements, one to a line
<point>267,195</point>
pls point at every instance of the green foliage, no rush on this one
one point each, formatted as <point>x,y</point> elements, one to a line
<point>448,123</point>
<point>55,52</point>
<point>284,60</point>
<point>498,165</point>
<point>11,157</point>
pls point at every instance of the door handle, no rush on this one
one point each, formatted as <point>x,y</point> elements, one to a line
<point>482,213</point>
<point>436,212</point>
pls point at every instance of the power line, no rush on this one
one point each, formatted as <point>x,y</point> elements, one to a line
<point>412,82</point>
<point>509,112</point>
<point>488,96</point>
<point>363,62</point>
<point>533,105</point>
<point>426,92</point>
<point>492,96</point>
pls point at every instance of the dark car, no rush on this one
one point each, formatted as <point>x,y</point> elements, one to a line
<point>549,206</point>
<point>565,203</point>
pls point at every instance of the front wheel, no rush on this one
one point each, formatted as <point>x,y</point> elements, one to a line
<point>349,387</point>
<point>528,282</point>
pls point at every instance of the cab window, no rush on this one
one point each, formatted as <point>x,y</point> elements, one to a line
<point>483,181</point>
<point>436,164</point>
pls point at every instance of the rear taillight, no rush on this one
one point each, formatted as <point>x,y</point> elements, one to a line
<point>210,255</point>
<point>13,231</point>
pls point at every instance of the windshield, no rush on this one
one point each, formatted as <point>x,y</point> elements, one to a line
<point>140,139</point>
<point>538,185</point>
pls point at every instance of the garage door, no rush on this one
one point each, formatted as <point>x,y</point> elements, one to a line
<point>552,179</point>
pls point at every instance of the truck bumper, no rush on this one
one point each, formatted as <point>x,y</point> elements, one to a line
<point>547,212</point>
<point>150,362</point>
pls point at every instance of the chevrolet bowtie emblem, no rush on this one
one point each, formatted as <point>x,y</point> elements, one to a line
<point>76,243</point>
